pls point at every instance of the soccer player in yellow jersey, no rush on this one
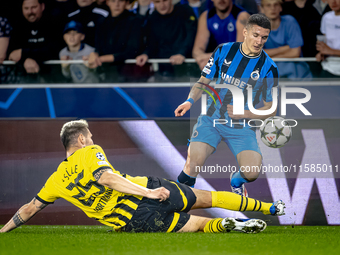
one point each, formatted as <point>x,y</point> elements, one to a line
<point>134,204</point>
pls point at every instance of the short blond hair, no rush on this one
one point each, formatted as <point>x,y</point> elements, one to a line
<point>71,130</point>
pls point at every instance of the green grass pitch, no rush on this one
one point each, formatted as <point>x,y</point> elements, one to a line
<point>97,240</point>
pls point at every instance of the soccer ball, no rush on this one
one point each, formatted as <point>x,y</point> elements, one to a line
<point>275,132</point>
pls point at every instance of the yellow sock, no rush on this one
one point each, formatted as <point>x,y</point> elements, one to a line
<point>214,226</point>
<point>232,201</point>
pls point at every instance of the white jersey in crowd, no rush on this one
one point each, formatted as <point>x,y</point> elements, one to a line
<point>330,26</point>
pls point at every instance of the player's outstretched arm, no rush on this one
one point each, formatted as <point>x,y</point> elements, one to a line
<point>24,214</point>
<point>194,95</point>
<point>114,181</point>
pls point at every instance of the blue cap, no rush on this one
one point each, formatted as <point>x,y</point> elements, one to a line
<point>74,25</point>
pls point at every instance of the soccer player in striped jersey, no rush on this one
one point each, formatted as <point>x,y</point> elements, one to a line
<point>241,65</point>
<point>133,204</point>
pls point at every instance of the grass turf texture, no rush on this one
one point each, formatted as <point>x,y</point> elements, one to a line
<point>97,240</point>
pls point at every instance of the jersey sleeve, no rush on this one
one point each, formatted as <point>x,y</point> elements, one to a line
<point>211,67</point>
<point>271,81</point>
<point>48,194</point>
<point>96,160</point>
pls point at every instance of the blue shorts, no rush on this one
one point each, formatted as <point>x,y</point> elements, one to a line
<point>237,139</point>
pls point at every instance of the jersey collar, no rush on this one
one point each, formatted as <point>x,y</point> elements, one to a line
<point>244,54</point>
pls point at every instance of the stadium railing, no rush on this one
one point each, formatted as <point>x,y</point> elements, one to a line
<point>159,61</point>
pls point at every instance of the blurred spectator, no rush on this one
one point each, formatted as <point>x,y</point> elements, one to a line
<point>59,9</point>
<point>249,5</point>
<point>309,20</point>
<point>118,37</point>
<point>321,6</point>
<point>143,7</point>
<point>89,15</point>
<point>76,50</point>
<point>223,23</point>
<point>284,41</point>
<point>34,38</point>
<point>5,32</point>
<point>102,4</point>
<point>170,33</point>
<point>196,6</point>
<point>330,27</point>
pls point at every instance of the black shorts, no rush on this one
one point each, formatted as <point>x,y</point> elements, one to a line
<point>167,216</point>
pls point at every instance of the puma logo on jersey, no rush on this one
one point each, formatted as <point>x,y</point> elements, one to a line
<point>34,32</point>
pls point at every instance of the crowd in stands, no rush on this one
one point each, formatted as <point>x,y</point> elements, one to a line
<point>104,33</point>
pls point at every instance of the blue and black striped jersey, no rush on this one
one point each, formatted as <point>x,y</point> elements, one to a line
<point>230,65</point>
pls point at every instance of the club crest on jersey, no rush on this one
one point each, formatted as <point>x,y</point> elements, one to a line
<point>100,156</point>
<point>195,134</point>
<point>255,75</point>
<point>231,27</point>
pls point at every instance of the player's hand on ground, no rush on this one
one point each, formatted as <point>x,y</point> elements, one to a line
<point>31,66</point>
<point>182,109</point>
<point>160,193</point>
<point>230,110</point>
<point>94,60</point>
<point>15,55</point>
<point>177,59</point>
<point>141,59</point>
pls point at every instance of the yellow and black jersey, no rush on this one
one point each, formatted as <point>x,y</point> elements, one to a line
<point>74,181</point>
